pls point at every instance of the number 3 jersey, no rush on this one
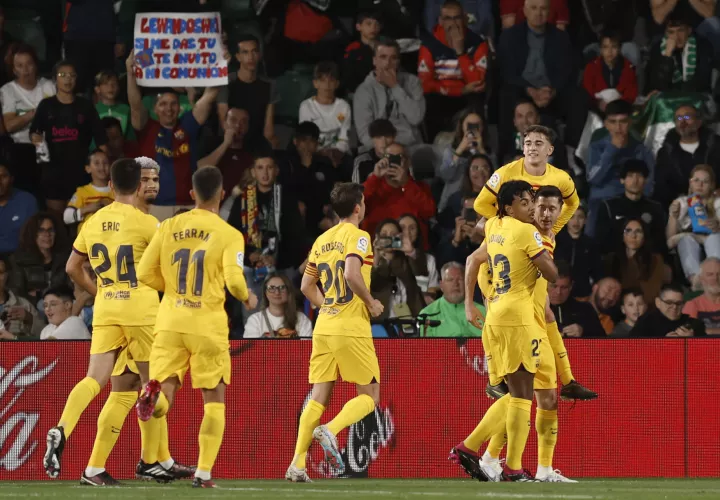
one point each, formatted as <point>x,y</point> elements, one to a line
<point>114,240</point>
<point>512,246</point>
<point>192,258</point>
<point>342,312</point>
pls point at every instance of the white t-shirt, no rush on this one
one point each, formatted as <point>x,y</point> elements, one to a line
<point>16,99</point>
<point>72,328</point>
<point>432,279</point>
<point>333,120</point>
<point>256,325</point>
<point>690,148</point>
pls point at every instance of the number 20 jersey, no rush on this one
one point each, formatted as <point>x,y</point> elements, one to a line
<point>342,313</point>
<point>114,239</point>
<point>512,246</point>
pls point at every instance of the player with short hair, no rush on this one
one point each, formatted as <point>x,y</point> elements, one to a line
<point>149,182</point>
<point>341,258</point>
<point>192,258</point>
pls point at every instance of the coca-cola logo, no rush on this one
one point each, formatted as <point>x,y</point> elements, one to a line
<point>21,424</point>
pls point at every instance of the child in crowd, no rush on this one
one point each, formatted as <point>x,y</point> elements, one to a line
<point>359,54</point>
<point>92,197</point>
<point>610,76</point>
<point>632,306</point>
<point>107,87</point>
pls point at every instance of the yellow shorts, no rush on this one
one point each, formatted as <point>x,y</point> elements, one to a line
<point>207,358</point>
<point>353,357</point>
<point>510,347</point>
<point>546,375</point>
<point>487,344</point>
<point>134,343</point>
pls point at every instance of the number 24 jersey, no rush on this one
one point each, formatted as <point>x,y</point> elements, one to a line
<point>342,313</point>
<point>512,247</point>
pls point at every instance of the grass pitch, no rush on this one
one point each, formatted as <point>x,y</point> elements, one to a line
<point>366,489</point>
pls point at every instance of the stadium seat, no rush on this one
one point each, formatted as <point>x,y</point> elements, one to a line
<point>379,332</point>
<point>293,86</point>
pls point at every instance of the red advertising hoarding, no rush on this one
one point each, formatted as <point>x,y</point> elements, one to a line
<point>657,415</point>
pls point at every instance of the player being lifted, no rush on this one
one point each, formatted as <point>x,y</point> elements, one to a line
<point>512,337</point>
<point>192,258</point>
<point>535,169</point>
<point>341,259</point>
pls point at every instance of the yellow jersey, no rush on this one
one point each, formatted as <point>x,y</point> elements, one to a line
<point>512,246</point>
<point>486,201</point>
<point>114,240</point>
<point>541,285</point>
<point>87,194</point>
<point>192,258</point>
<point>342,312</point>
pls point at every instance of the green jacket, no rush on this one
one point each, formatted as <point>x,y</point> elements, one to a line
<point>453,320</point>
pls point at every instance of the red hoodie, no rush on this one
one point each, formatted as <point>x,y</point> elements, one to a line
<point>594,80</point>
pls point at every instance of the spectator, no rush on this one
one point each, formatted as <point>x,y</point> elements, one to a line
<point>233,154</point>
<point>679,60</point>
<point>576,248</point>
<point>40,260</point>
<point>470,140</point>
<point>392,279</point>
<point>67,124</point>
<point>667,319</point>
<point>92,197</point>
<point>278,316</point>
<point>452,65</point>
<point>604,298</point>
<point>610,76</point>
<point>631,204</point>
<point>20,318</point>
<point>107,88</point>
<point>693,226</point>
<point>391,192</point>
<point>62,325</point>
<point>246,90</point>
<point>689,144</point>
<point>634,264</point>
<point>16,207</point>
<point>423,264</point>
<point>359,54</point>
<point>479,14</point>
<point>116,146</point>
<point>475,177</point>
<point>450,308</point>
<point>389,93</point>
<point>574,318</point>
<point>330,113</point>
<point>20,99</point>
<point>382,133</point>
<point>633,306</point>
<point>606,157</point>
<point>171,140</point>
<point>706,307</point>
<point>512,12</point>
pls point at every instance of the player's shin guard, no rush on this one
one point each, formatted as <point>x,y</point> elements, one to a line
<point>546,425</point>
<point>496,444</point>
<point>493,422</point>
<point>562,361</point>
<point>354,410</point>
<point>110,422</point>
<point>210,438</point>
<point>80,398</point>
<point>518,429</point>
<point>150,435</point>
<point>309,419</point>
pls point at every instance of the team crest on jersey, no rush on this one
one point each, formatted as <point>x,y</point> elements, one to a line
<point>482,62</point>
<point>494,180</point>
<point>422,68</point>
<point>341,117</point>
<point>179,134</point>
<point>240,259</point>
<point>363,244</point>
<point>538,239</point>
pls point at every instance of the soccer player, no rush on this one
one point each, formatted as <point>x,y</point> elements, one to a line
<point>534,168</point>
<point>511,335</point>
<point>113,240</point>
<point>341,258</point>
<point>149,183</point>
<point>192,258</point>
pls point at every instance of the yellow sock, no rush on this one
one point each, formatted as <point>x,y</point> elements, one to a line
<point>562,361</point>
<point>150,435</point>
<point>163,453</point>
<point>546,424</point>
<point>492,423</point>
<point>354,411</point>
<point>211,434</point>
<point>496,444</point>
<point>492,376</point>
<point>80,398</point>
<point>162,406</point>
<point>518,429</point>
<point>309,419</point>
<point>110,422</point>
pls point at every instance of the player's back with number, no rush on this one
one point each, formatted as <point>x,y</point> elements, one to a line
<point>114,240</point>
<point>342,312</point>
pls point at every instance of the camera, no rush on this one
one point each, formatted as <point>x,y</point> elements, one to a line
<point>473,127</point>
<point>394,243</point>
<point>394,159</point>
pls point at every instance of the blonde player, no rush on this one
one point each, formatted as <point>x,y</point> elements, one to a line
<point>192,258</point>
<point>341,259</point>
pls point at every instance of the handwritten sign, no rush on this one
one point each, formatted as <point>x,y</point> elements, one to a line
<point>179,50</point>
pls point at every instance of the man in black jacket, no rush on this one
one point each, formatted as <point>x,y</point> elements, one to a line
<point>668,320</point>
<point>689,144</point>
<point>574,318</point>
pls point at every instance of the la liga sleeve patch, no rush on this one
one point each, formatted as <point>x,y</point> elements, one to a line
<point>362,244</point>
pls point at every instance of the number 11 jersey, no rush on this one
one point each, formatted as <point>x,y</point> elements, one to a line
<point>342,313</point>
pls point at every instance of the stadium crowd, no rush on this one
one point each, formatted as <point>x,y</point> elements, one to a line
<point>419,101</point>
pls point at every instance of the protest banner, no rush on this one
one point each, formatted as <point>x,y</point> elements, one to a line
<point>179,50</point>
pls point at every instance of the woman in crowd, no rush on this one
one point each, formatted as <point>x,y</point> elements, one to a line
<point>577,249</point>
<point>278,316</point>
<point>422,264</point>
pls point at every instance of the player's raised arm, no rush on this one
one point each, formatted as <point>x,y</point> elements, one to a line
<point>571,201</point>
<point>233,265</point>
<point>486,202</point>
<point>149,272</point>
